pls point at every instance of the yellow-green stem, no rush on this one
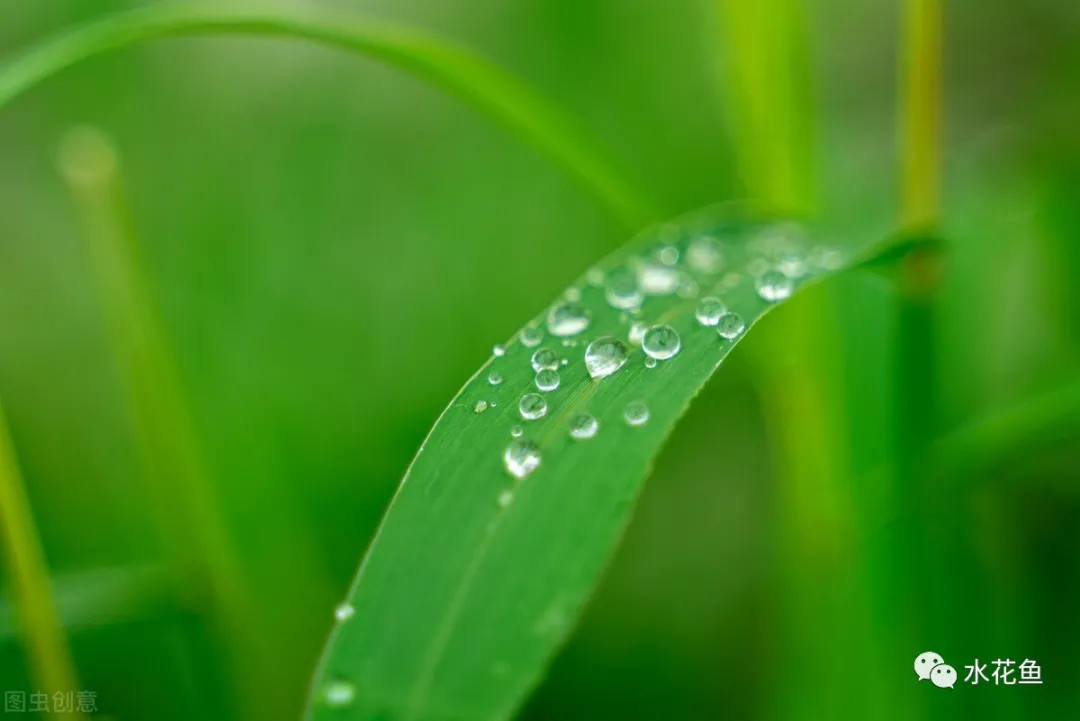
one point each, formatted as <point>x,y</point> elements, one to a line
<point>51,667</point>
<point>921,115</point>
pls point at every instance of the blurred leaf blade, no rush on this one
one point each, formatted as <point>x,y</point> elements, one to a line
<point>486,87</point>
<point>475,576</point>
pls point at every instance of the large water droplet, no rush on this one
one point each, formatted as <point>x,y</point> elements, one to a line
<point>604,356</point>
<point>544,358</point>
<point>547,380</point>
<point>531,336</point>
<point>480,406</point>
<point>709,311</point>
<point>583,426</point>
<point>344,612</point>
<point>657,279</point>
<point>339,693</point>
<point>730,326</point>
<point>568,319</point>
<point>705,255</point>
<point>532,406</point>
<point>498,351</point>
<point>637,331</point>
<point>661,342</point>
<point>636,413</point>
<point>622,290</point>
<point>521,458</point>
<point>774,286</point>
<point>495,378</point>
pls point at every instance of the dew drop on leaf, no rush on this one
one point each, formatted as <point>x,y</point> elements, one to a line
<point>531,336</point>
<point>594,276</point>
<point>730,326</point>
<point>547,379</point>
<point>495,378</point>
<point>661,342</point>
<point>498,351</point>
<point>544,358</point>
<point>521,458</point>
<point>637,331</point>
<point>344,612</point>
<point>480,406</point>
<point>532,406</point>
<point>583,426</point>
<point>516,431</point>
<point>709,311</point>
<point>339,693</point>
<point>568,319</point>
<point>622,290</point>
<point>604,356</point>
<point>636,413</point>
<point>668,255</point>
<point>650,362</point>
<point>773,286</point>
<point>705,255</point>
<point>656,279</point>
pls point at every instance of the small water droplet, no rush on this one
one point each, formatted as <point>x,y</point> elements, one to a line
<point>650,362</point>
<point>521,458</point>
<point>688,287</point>
<point>564,362</point>
<point>757,266</point>
<point>516,431</point>
<point>705,255</point>
<point>622,290</point>
<point>668,255</point>
<point>594,276</point>
<point>792,265</point>
<point>547,380</point>
<point>825,258</point>
<point>657,279</point>
<point>495,378</point>
<point>730,326</point>
<point>730,281</point>
<point>572,293</point>
<point>661,342</point>
<point>480,406</point>
<point>569,342</point>
<point>583,426</point>
<point>774,286</point>
<point>544,358</point>
<point>505,498</point>
<point>568,319</point>
<point>709,311</point>
<point>339,693</point>
<point>637,331</point>
<point>498,351</point>
<point>344,612</point>
<point>532,406</point>
<point>636,413</point>
<point>604,356</point>
<point>531,336</point>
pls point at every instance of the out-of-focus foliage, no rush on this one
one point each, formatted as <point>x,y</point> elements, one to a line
<point>325,238</point>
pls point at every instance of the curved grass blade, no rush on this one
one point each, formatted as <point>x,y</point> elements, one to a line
<point>484,86</point>
<point>494,541</point>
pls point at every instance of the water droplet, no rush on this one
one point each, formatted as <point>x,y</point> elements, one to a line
<point>622,290</point>
<point>657,279</point>
<point>774,285</point>
<point>344,612</point>
<point>757,266</point>
<point>564,362</point>
<point>568,319</point>
<point>339,693</point>
<point>505,498</point>
<point>604,356</point>
<point>544,358</point>
<point>547,380</point>
<point>583,426</point>
<point>636,413</point>
<point>826,258</point>
<point>521,458</point>
<point>661,342</point>
<point>531,336</point>
<point>495,378</point>
<point>792,265</point>
<point>705,255</point>
<point>730,326</point>
<point>572,293</point>
<point>688,287</point>
<point>532,406</point>
<point>594,276</point>
<point>650,362</point>
<point>709,311</point>
<point>498,351</point>
<point>480,407</point>
<point>668,255</point>
<point>637,331</point>
<point>516,431</point>
<point>569,342</point>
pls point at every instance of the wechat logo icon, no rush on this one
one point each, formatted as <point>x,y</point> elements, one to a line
<point>931,666</point>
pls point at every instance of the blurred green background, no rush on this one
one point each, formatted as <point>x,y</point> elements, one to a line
<point>334,248</point>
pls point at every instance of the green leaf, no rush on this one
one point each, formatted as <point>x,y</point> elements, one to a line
<point>476,576</point>
<point>490,90</point>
